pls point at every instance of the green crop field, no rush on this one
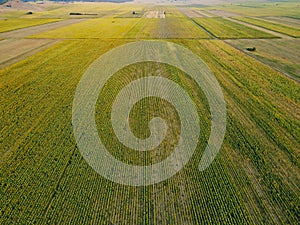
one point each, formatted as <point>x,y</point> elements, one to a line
<point>223,28</point>
<point>291,31</point>
<point>13,24</point>
<point>44,175</point>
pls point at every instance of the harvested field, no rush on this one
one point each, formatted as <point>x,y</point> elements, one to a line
<point>14,50</point>
<point>284,20</point>
<point>194,13</point>
<point>223,13</point>
<point>225,29</point>
<point>14,24</point>
<point>20,33</point>
<point>205,13</point>
<point>191,13</point>
<point>274,33</point>
<point>154,14</point>
<point>291,31</point>
<point>279,54</point>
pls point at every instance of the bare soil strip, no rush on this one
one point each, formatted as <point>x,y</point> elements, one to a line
<point>204,13</point>
<point>14,50</point>
<point>191,13</point>
<point>154,14</point>
<point>283,20</point>
<point>28,31</point>
<point>223,13</point>
<point>260,28</point>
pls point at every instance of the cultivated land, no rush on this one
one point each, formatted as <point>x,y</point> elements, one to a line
<point>294,32</point>
<point>255,178</point>
<point>223,28</point>
<point>13,24</point>
<point>279,54</point>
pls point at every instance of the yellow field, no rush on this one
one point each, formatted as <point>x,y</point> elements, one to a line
<point>93,28</point>
<point>167,28</point>
<point>44,175</point>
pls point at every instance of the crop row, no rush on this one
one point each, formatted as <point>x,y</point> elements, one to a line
<point>44,178</point>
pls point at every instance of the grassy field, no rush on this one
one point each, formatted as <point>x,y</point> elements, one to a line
<point>291,31</point>
<point>16,23</point>
<point>253,180</point>
<point>223,28</point>
<point>279,54</point>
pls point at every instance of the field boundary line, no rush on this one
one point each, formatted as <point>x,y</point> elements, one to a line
<point>203,28</point>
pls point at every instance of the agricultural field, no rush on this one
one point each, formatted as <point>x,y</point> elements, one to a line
<point>166,28</point>
<point>28,31</point>
<point>13,24</point>
<point>94,28</point>
<point>291,31</point>
<point>223,29</point>
<point>279,54</point>
<point>261,8</point>
<point>12,50</point>
<point>254,179</point>
<point>285,21</point>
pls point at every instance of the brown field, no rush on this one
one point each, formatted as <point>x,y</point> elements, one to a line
<point>14,50</point>
<point>191,13</point>
<point>284,20</point>
<point>154,14</point>
<point>38,29</point>
<point>223,13</point>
